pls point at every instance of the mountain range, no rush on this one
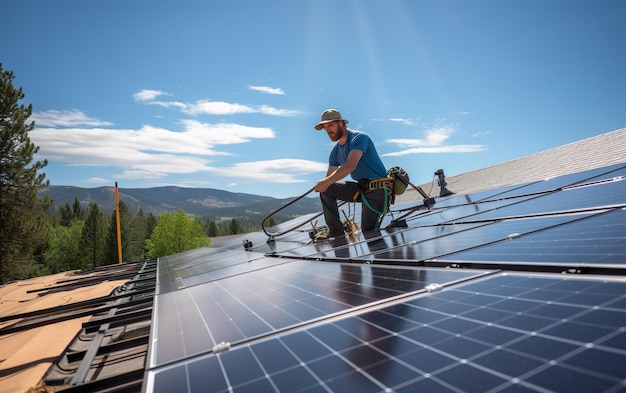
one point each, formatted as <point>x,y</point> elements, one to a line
<point>205,203</point>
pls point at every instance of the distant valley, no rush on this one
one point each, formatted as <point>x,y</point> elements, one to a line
<point>205,203</point>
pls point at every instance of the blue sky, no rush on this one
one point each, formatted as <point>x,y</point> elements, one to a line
<point>225,94</point>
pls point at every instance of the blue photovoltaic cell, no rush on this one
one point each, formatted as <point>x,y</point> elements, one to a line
<point>421,243</point>
<point>596,196</point>
<point>524,200</point>
<point>192,320</point>
<point>295,319</point>
<point>411,211</point>
<point>195,261</point>
<point>497,333</point>
<point>398,242</point>
<point>555,183</point>
<point>430,242</point>
<point>302,222</point>
<point>598,239</point>
<point>462,213</point>
<point>174,270</point>
<point>418,248</point>
<point>235,268</point>
<point>354,246</point>
<point>260,243</point>
<point>209,263</point>
<point>507,192</point>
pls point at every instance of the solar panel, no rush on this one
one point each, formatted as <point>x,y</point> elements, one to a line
<point>557,183</point>
<point>427,243</point>
<point>495,333</point>
<point>599,239</point>
<point>272,296</point>
<point>505,195</point>
<point>178,267</point>
<point>595,196</point>
<point>208,263</point>
<point>433,306</point>
<point>458,212</point>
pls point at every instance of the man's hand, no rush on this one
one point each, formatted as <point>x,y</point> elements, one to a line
<point>322,185</point>
<point>335,174</point>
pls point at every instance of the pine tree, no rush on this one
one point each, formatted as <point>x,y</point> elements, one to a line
<point>20,227</point>
<point>64,215</point>
<point>77,210</point>
<point>93,237</point>
<point>234,227</point>
<point>137,236</point>
<point>210,228</point>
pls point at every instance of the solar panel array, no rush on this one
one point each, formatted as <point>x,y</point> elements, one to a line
<point>466,296</point>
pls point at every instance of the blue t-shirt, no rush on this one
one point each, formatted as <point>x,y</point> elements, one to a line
<point>370,165</point>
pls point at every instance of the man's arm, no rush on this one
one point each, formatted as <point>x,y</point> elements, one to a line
<point>334,174</point>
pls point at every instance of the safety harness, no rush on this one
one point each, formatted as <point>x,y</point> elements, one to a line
<point>395,183</point>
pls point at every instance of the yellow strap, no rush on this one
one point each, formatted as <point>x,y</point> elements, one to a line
<point>382,183</point>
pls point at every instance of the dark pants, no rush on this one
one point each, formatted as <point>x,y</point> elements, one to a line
<point>345,192</point>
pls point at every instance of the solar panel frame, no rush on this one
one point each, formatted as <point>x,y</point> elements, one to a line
<point>594,241</point>
<point>440,340</point>
<point>431,243</point>
<point>273,296</point>
<point>596,196</point>
<point>292,315</point>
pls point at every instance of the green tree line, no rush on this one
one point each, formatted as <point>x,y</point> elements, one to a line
<point>82,238</point>
<point>36,239</point>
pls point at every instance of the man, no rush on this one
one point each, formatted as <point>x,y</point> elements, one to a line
<point>354,154</point>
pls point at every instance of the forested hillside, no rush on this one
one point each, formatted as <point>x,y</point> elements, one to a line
<point>205,203</point>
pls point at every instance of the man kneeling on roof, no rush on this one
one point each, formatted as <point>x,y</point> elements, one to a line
<point>354,154</point>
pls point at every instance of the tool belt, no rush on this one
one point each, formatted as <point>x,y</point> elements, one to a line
<point>367,185</point>
<point>384,183</point>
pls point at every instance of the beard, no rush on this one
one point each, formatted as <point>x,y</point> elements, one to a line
<point>336,135</point>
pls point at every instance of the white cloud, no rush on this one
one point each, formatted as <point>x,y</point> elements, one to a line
<point>170,104</point>
<point>275,171</point>
<point>433,142</point>
<point>98,180</point>
<point>216,108</point>
<point>268,110</point>
<point>407,122</point>
<point>67,118</point>
<point>433,137</point>
<point>437,149</point>
<point>224,133</point>
<point>196,138</point>
<point>482,133</point>
<point>127,148</point>
<point>73,139</point>
<point>149,152</point>
<point>206,107</point>
<point>142,174</point>
<point>148,95</point>
<point>268,90</point>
